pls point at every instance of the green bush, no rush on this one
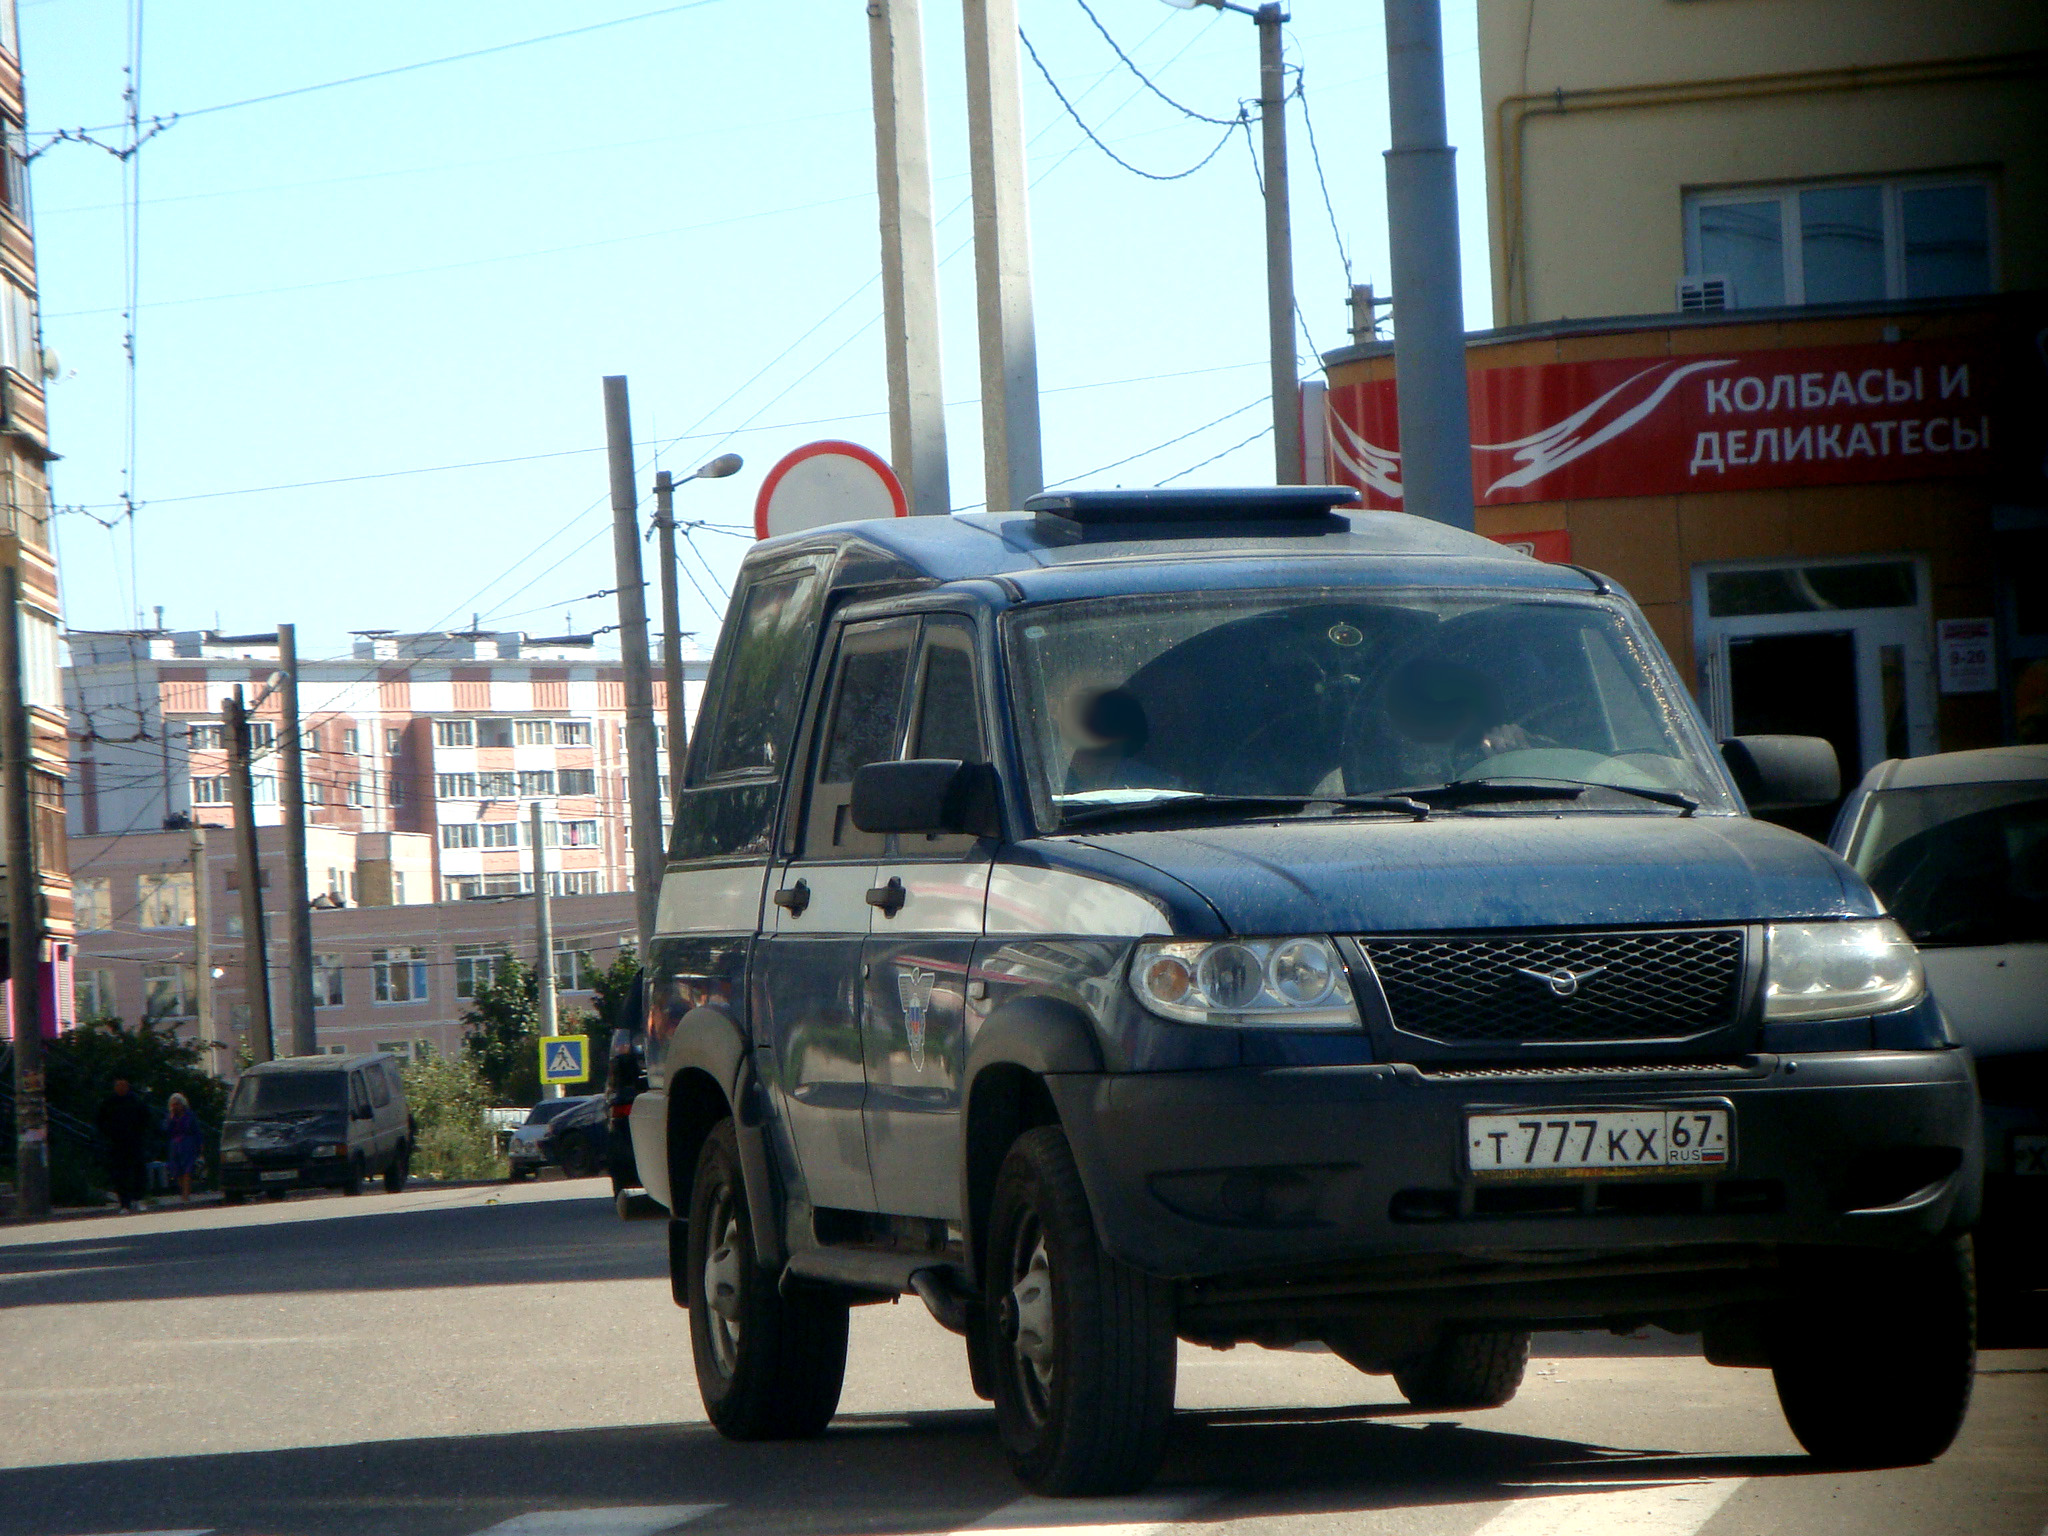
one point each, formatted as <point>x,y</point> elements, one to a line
<point>448,1096</point>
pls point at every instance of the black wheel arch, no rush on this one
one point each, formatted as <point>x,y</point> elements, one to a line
<point>709,1074</point>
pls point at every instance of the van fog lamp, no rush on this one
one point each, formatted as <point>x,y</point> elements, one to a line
<point>1818,971</point>
<point>1283,983</point>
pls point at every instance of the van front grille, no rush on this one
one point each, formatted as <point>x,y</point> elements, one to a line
<point>1577,987</point>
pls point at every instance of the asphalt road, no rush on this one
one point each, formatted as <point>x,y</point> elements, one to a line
<point>454,1362</point>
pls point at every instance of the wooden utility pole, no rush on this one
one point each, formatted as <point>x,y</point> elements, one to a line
<point>643,775</point>
<point>298,919</point>
<point>255,953</point>
<point>202,950</point>
<point>544,934</point>
<point>24,916</point>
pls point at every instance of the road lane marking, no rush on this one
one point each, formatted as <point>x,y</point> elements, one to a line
<point>626,1520</point>
<point>1140,1515</point>
<point>1669,1509</point>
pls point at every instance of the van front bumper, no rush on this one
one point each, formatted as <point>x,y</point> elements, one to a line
<point>1195,1175</point>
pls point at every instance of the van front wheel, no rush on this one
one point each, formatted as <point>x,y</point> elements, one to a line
<point>1082,1353</point>
<point>769,1365</point>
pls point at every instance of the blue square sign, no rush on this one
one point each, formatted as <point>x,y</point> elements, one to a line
<point>565,1058</point>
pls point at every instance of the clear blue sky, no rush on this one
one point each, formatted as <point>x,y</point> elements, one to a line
<point>437,267</point>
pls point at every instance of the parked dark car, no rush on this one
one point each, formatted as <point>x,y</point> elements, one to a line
<point>1233,917</point>
<point>329,1122</point>
<point>533,1146</point>
<point>625,1076</point>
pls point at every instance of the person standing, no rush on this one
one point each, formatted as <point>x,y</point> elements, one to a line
<point>124,1126</point>
<point>181,1129</point>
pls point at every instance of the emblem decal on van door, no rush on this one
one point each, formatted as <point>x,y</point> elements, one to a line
<point>914,987</point>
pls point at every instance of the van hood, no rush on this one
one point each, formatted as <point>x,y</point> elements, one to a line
<point>1351,875</point>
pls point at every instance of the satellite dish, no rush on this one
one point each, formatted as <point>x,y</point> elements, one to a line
<point>827,482</point>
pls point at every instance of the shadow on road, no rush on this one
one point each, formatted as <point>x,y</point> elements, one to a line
<point>908,1473</point>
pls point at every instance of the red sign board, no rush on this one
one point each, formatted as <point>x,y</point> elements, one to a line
<point>1714,421</point>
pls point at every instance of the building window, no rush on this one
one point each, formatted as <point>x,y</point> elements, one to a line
<point>263,789</point>
<point>166,901</point>
<point>475,967</point>
<point>398,887</point>
<point>356,796</point>
<point>212,790</point>
<point>462,888</point>
<point>575,834</point>
<point>459,834</point>
<point>18,329</point>
<point>352,742</point>
<point>576,781</point>
<point>167,991</point>
<point>455,786</point>
<point>494,733</point>
<point>572,733</point>
<point>398,975</point>
<point>316,792</point>
<point>537,781</point>
<point>450,733</point>
<point>14,171</point>
<point>262,735</point>
<point>393,740</point>
<point>42,672</point>
<point>394,790</point>
<point>93,993</point>
<point>575,882</point>
<point>341,885</point>
<point>205,736</point>
<point>92,903</point>
<point>504,885</point>
<point>1843,242</point>
<point>497,786</point>
<point>533,733</point>
<point>327,971</point>
<point>572,970</point>
<point>501,834</point>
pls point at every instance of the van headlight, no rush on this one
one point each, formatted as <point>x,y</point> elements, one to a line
<point>233,1155</point>
<point>1291,983</point>
<point>1815,971</point>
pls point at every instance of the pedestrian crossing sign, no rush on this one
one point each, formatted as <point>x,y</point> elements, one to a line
<point>565,1058</point>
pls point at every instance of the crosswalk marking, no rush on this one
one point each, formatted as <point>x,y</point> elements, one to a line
<point>1668,1509</point>
<point>1140,1515</point>
<point>626,1520</point>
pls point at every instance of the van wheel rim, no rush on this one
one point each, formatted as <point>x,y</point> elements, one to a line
<point>722,1281</point>
<point>1027,1318</point>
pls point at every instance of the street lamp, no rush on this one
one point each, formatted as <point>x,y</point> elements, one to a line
<point>1287,453</point>
<point>671,612</point>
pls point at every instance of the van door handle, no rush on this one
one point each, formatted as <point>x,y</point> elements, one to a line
<point>794,898</point>
<point>889,898</point>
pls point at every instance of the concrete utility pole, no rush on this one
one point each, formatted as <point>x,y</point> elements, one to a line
<point>910,272</point>
<point>298,917</point>
<point>1011,460</point>
<point>1429,305</point>
<point>642,771</point>
<point>544,933</point>
<point>671,638</point>
<point>1287,465</point>
<point>202,949</point>
<point>24,916</point>
<point>249,871</point>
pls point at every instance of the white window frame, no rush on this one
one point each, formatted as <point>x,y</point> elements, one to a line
<point>1791,244</point>
<point>533,733</point>
<point>96,993</point>
<point>211,789</point>
<point>328,987</point>
<point>206,736</point>
<point>454,733</point>
<point>398,966</point>
<point>459,834</point>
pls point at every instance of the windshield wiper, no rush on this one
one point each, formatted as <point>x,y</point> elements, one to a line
<point>1481,791</point>
<point>1171,802</point>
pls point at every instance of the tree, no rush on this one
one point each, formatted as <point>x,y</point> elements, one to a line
<point>503,1031</point>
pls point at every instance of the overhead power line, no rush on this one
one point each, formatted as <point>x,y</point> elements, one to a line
<point>1136,170</point>
<point>1145,80</point>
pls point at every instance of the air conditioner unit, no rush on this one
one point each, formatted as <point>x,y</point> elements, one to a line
<point>1699,295</point>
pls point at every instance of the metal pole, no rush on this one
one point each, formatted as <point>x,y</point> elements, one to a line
<point>671,638</point>
<point>544,933</point>
<point>1429,306</point>
<point>910,273</point>
<point>642,774</point>
<point>202,949</point>
<point>1012,466</point>
<point>1287,463</point>
<point>24,917</point>
<point>249,871</point>
<point>298,917</point>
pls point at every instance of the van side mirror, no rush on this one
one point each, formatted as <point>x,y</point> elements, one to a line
<point>363,1112</point>
<point>1783,773</point>
<point>927,794</point>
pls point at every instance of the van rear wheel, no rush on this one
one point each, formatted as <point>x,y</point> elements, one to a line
<point>1467,1370</point>
<point>769,1365</point>
<point>399,1170</point>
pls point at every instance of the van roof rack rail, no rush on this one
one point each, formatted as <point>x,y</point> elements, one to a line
<point>1223,504</point>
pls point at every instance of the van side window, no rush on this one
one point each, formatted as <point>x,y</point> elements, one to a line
<point>380,1085</point>
<point>764,678</point>
<point>862,715</point>
<point>358,1099</point>
<point>948,707</point>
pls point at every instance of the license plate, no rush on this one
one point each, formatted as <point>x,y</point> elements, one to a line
<point>1587,1141</point>
<point>2030,1155</point>
<point>279,1175</point>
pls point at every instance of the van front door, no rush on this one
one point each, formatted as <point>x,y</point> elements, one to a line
<point>811,972</point>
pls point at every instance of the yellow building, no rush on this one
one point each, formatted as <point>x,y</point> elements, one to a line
<point>1773,284</point>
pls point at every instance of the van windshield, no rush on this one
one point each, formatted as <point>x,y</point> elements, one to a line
<point>1321,694</point>
<point>1960,863</point>
<point>283,1093</point>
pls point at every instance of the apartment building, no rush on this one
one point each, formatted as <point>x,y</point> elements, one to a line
<point>386,977</point>
<point>25,542</point>
<point>1773,278</point>
<point>454,736</point>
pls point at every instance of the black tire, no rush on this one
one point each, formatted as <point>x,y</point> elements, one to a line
<point>1876,1354</point>
<point>353,1184</point>
<point>769,1365</point>
<point>579,1161</point>
<point>232,1197</point>
<point>514,1175</point>
<point>1466,1371</point>
<point>399,1169</point>
<point>981,1344</point>
<point>1087,1410</point>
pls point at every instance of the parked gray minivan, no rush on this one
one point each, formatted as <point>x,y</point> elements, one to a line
<point>305,1122</point>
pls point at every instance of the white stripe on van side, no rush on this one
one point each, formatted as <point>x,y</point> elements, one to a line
<point>1023,900</point>
<point>723,899</point>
